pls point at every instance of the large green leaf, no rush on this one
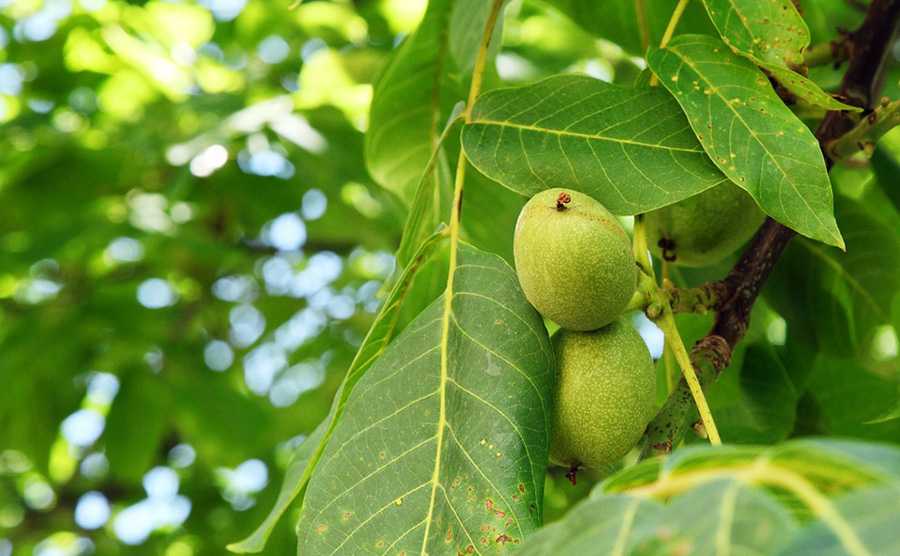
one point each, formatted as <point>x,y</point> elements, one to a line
<point>631,149</point>
<point>415,95</point>
<point>383,330</point>
<point>618,21</point>
<point>796,498</point>
<point>749,133</point>
<point>833,300</point>
<point>443,444</point>
<point>773,35</point>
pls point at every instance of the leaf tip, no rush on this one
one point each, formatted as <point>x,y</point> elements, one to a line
<point>246,546</point>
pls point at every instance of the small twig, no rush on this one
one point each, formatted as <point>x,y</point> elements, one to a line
<point>867,132</point>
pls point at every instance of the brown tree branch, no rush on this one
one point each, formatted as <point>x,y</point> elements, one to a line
<point>871,45</point>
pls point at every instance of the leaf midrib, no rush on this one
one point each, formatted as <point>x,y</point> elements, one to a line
<point>567,133</point>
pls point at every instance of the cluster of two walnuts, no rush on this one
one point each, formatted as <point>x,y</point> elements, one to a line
<point>576,267</point>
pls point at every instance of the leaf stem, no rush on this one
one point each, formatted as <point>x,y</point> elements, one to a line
<point>673,22</point>
<point>456,209</point>
<point>670,31</point>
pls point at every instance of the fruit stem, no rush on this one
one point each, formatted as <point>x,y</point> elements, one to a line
<point>673,339</point>
<point>639,245</point>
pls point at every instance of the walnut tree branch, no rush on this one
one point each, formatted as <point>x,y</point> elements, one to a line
<point>740,289</point>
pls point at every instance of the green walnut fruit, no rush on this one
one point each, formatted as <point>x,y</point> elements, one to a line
<point>605,395</point>
<point>705,228</point>
<point>573,259</point>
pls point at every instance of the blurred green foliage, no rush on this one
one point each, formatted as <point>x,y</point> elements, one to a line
<point>192,248</point>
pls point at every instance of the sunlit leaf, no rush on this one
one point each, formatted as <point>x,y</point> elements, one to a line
<point>631,149</point>
<point>600,525</point>
<point>749,133</point>
<point>737,500</point>
<point>444,440</point>
<point>871,514</point>
<point>415,95</point>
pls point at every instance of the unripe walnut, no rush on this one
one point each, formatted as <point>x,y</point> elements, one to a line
<point>703,229</point>
<point>573,259</point>
<point>605,395</point>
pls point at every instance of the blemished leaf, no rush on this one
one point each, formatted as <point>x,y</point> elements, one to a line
<point>773,35</point>
<point>738,500</point>
<point>749,133</point>
<point>769,31</point>
<point>415,95</point>
<point>382,331</point>
<point>631,149</point>
<point>618,20</point>
<point>836,300</point>
<point>807,90</point>
<point>443,444</point>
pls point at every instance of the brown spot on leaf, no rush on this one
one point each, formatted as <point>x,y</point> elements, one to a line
<point>502,539</point>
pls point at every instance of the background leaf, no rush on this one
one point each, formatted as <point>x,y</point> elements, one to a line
<point>628,148</point>
<point>442,454</point>
<point>617,20</point>
<point>749,133</point>
<point>834,301</point>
